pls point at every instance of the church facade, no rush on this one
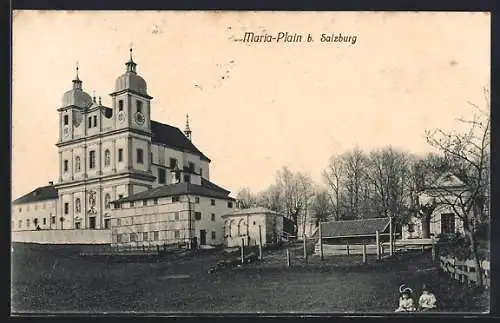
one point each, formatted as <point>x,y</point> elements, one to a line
<point>109,154</point>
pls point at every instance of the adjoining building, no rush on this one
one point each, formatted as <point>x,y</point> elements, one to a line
<point>36,210</point>
<point>181,213</point>
<point>443,219</point>
<point>117,153</point>
<point>255,225</point>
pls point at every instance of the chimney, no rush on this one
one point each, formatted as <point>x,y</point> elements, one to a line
<point>51,183</point>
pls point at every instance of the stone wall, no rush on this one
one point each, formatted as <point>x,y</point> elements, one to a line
<point>63,236</point>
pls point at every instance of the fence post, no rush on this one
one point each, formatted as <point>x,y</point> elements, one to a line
<point>320,242</point>
<point>242,251</point>
<point>377,237</point>
<point>364,253</point>
<point>260,242</point>
<point>287,257</point>
<point>305,248</point>
<point>433,251</point>
<point>391,238</point>
<point>347,246</point>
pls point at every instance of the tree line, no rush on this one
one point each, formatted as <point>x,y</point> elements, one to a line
<point>390,182</point>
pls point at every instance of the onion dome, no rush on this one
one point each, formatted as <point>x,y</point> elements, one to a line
<point>131,80</point>
<point>76,96</point>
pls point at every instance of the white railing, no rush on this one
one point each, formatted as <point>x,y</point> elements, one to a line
<point>464,270</point>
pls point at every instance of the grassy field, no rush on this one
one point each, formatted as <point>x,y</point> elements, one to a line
<point>56,279</point>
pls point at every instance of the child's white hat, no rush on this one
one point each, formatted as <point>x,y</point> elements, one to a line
<point>404,289</point>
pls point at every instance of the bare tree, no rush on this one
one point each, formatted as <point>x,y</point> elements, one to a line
<point>246,199</point>
<point>468,155</point>
<point>354,163</point>
<point>334,178</point>
<point>271,198</point>
<point>388,173</point>
<point>295,193</point>
<point>322,205</point>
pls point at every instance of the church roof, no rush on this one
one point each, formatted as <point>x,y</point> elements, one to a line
<point>353,228</point>
<point>39,194</point>
<point>206,188</point>
<point>174,138</point>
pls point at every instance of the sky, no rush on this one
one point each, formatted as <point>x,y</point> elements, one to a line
<point>253,107</point>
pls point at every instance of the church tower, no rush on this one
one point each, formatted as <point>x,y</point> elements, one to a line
<point>131,102</point>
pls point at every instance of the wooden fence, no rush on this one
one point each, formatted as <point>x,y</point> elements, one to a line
<point>464,270</point>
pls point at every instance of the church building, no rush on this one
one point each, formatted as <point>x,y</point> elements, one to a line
<point>114,156</point>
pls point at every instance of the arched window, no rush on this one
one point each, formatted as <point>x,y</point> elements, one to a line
<point>77,164</point>
<point>107,199</point>
<point>107,158</point>
<point>241,227</point>
<point>233,229</point>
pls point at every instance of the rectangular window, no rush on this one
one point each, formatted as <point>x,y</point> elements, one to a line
<point>133,237</point>
<point>132,204</point>
<point>176,216</point>
<point>448,223</point>
<point>92,223</point>
<point>65,165</point>
<point>139,106</point>
<point>20,224</point>
<point>140,156</point>
<point>118,222</point>
<point>119,238</point>
<point>66,120</point>
<point>28,223</point>
<point>197,199</point>
<point>120,155</point>
<point>95,121</point>
<point>213,202</point>
<point>120,105</point>
<point>213,217</point>
<point>90,122</point>
<point>197,216</point>
<point>145,236</point>
<point>44,221</point>
<point>191,167</point>
<point>213,235</point>
<point>20,210</point>
<point>230,204</point>
<point>66,208</point>
<point>53,220</point>
<point>175,199</point>
<point>161,176</point>
<point>173,163</point>
<point>107,223</point>
<point>92,159</point>
<point>144,202</point>
<point>77,225</point>
<point>187,178</point>
<point>156,235</point>
<point>155,201</point>
<point>177,234</point>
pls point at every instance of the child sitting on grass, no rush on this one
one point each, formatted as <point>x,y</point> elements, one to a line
<point>406,303</point>
<point>427,301</point>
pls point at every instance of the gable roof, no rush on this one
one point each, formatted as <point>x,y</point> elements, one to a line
<point>253,210</point>
<point>351,228</point>
<point>173,137</point>
<point>180,189</point>
<point>43,193</point>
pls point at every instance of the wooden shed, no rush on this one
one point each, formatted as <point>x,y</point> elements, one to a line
<point>348,237</point>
